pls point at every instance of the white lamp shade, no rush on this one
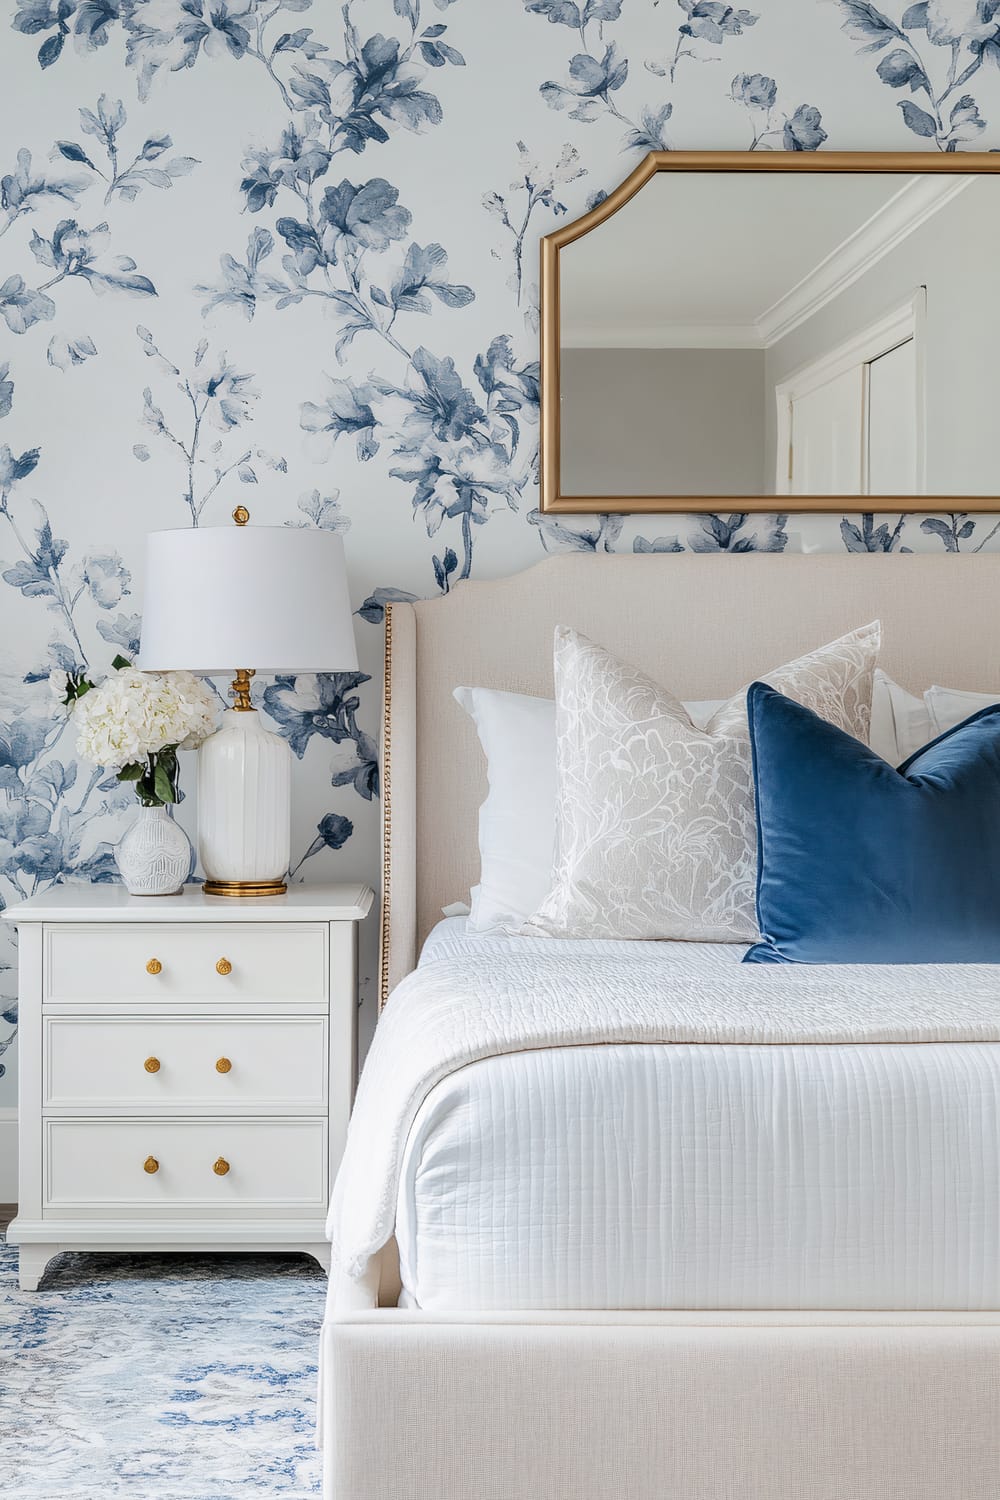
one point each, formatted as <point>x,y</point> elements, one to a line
<point>270,598</point>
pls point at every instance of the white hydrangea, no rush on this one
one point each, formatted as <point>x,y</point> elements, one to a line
<point>134,714</point>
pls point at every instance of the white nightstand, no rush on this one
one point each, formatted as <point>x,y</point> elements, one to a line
<point>187,1067</point>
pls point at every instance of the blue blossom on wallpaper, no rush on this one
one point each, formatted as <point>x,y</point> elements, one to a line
<point>22,306</point>
<point>596,77</point>
<point>345,408</point>
<point>66,353</point>
<point>216,400</point>
<point>739,532</point>
<point>325,512</point>
<point>871,538</point>
<point>534,187</point>
<point>6,390</point>
<point>461,451</point>
<point>73,251</point>
<point>44,834</point>
<point>559,536</point>
<point>967,36</point>
<point>123,633</point>
<point>803,130</point>
<point>577,17</point>
<point>26,189</point>
<point>955,529</point>
<point>373,608</point>
<point>350,222</point>
<point>591,82</point>
<point>332,832</point>
<point>326,705</point>
<point>644,544</point>
<point>148,168</point>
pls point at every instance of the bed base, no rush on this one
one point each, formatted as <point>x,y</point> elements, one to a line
<point>657,1406</point>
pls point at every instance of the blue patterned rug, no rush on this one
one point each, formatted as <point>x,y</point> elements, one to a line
<point>160,1378</point>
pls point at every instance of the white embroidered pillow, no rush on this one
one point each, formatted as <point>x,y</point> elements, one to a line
<point>655,827</point>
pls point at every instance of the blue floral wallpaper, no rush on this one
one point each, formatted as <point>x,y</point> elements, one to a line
<point>284,252</point>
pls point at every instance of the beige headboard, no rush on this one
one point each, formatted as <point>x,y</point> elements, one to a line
<point>703,625</point>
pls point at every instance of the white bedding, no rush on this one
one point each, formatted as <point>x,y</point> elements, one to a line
<point>678,1176</point>
<point>766,1138</point>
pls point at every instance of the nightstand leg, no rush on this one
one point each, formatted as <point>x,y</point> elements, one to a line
<point>322,1253</point>
<point>31,1263</point>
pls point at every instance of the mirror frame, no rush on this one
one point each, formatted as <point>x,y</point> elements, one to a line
<point>553,501</point>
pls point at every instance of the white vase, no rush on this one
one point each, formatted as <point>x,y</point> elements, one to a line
<point>154,855</point>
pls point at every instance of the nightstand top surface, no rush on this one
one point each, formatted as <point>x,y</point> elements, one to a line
<point>111,903</point>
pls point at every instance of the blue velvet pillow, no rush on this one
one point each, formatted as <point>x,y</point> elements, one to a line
<point>861,863</point>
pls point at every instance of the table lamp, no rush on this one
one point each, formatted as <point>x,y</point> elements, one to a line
<point>274,598</point>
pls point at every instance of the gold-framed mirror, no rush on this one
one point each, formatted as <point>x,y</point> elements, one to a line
<point>775,331</point>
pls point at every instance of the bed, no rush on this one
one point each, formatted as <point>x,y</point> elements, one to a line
<point>743,1243</point>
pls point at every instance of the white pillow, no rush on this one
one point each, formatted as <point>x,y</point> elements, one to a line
<point>517,822</point>
<point>655,827</point>
<point>901,722</point>
<point>947,707</point>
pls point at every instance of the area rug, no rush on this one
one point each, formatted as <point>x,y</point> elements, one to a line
<point>160,1378</point>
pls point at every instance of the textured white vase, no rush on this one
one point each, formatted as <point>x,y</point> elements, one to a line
<point>154,855</point>
<point>244,803</point>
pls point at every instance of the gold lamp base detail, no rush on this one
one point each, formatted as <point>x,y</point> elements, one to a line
<point>244,887</point>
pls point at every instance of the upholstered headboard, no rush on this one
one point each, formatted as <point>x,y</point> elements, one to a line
<point>703,625</point>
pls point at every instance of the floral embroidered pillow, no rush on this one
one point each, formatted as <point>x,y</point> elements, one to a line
<point>655,830</point>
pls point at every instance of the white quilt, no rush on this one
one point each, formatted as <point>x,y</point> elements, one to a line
<point>453,1012</point>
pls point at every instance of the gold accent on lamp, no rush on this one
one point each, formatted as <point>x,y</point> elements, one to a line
<point>154,966</point>
<point>151,1165</point>
<point>241,515</point>
<point>220,1166</point>
<point>240,690</point>
<point>223,1065</point>
<point>152,1064</point>
<point>244,887</point>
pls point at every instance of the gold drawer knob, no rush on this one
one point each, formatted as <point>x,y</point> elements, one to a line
<point>152,1064</point>
<point>223,1065</point>
<point>223,966</point>
<point>220,1166</point>
<point>151,1165</point>
<point>154,966</point>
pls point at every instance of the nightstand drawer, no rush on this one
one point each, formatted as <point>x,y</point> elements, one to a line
<point>202,1166</point>
<point>152,1064</point>
<point>219,962</point>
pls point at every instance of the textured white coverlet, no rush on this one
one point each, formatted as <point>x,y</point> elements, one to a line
<point>702,1177</point>
<point>450,1013</point>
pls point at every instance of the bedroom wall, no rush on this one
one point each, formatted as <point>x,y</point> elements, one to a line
<point>285,254</point>
<point>656,414</point>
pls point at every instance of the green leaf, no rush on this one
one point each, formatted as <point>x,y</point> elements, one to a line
<point>134,772</point>
<point>162,784</point>
<point>119,662</point>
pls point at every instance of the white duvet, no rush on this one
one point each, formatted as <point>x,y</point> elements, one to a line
<point>659,1126</point>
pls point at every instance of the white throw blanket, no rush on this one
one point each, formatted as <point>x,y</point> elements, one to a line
<point>453,1012</point>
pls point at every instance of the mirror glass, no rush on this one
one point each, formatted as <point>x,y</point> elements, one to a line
<point>731,334</point>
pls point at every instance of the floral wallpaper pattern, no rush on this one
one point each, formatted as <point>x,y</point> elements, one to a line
<point>283,252</point>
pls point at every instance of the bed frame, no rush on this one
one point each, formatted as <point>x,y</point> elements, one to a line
<point>667,1405</point>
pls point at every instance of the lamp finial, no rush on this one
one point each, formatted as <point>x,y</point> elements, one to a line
<point>241,515</point>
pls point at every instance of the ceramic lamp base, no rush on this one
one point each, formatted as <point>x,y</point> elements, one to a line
<point>244,808</point>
